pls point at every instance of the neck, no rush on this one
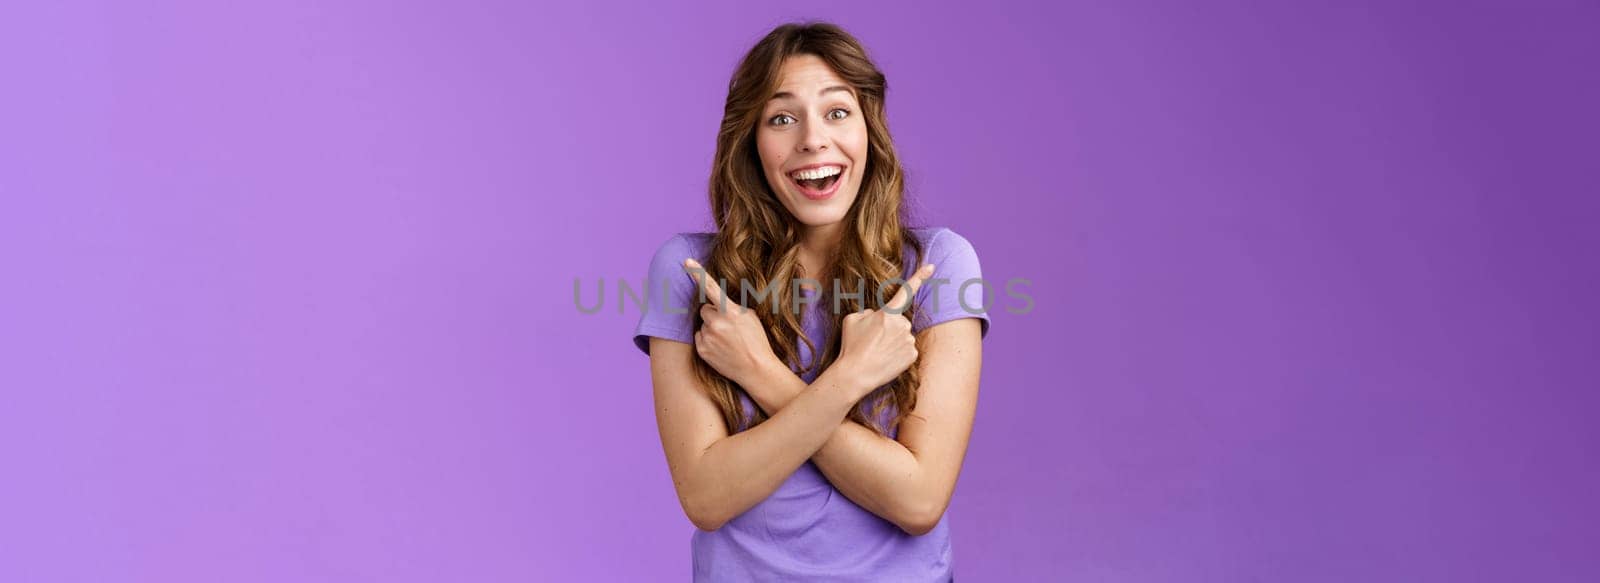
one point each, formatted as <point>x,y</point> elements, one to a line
<point>817,246</point>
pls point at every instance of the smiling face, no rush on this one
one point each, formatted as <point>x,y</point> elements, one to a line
<point>812,140</point>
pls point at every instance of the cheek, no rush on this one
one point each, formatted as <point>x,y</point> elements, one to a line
<point>771,151</point>
<point>856,148</point>
<point>855,144</point>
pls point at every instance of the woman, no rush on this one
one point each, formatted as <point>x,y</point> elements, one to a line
<point>815,435</point>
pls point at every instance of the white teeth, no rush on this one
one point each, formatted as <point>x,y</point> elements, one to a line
<point>815,173</point>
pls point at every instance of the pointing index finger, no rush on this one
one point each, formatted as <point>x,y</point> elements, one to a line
<point>707,284</point>
<point>902,299</point>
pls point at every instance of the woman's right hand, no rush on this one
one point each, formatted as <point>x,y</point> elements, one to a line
<point>877,345</point>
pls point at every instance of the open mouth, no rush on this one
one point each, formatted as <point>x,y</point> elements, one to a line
<point>817,182</point>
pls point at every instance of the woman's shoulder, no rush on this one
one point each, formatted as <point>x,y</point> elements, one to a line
<point>940,243</point>
<point>683,245</point>
<point>956,268</point>
<point>669,290</point>
<point>667,262</point>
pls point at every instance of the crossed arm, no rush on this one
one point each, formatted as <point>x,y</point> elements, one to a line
<point>907,481</point>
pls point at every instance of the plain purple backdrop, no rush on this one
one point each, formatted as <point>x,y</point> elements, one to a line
<point>287,286</point>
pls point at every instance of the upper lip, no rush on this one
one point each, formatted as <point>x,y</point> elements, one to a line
<point>841,166</point>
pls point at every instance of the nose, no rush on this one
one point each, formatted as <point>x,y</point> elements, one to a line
<point>813,138</point>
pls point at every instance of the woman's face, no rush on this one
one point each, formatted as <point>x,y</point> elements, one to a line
<point>812,140</point>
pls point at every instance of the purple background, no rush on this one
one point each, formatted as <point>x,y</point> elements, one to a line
<point>288,286</point>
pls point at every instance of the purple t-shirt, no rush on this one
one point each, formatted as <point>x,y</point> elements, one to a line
<point>807,530</point>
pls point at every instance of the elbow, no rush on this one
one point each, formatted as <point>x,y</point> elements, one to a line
<point>704,516</point>
<point>706,523</point>
<point>918,527</point>
<point>705,505</point>
<point>921,519</point>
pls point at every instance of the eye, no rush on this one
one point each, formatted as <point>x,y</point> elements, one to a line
<point>839,113</point>
<point>778,120</point>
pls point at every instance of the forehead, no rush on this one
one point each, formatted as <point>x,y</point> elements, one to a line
<point>803,76</point>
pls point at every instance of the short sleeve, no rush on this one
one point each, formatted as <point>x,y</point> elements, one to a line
<point>669,293</point>
<point>957,288</point>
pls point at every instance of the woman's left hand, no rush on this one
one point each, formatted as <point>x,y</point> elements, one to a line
<point>731,339</point>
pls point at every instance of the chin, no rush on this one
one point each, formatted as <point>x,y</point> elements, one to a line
<point>820,217</point>
<point>814,213</point>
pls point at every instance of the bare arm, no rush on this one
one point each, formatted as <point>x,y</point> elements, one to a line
<point>718,476</point>
<point>909,480</point>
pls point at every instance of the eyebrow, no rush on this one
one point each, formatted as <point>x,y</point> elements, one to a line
<point>788,95</point>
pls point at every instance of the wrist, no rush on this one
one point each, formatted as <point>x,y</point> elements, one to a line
<point>770,367</point>
<point>761,371</point>
<point>843,375</point>
<point>771,384</point>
